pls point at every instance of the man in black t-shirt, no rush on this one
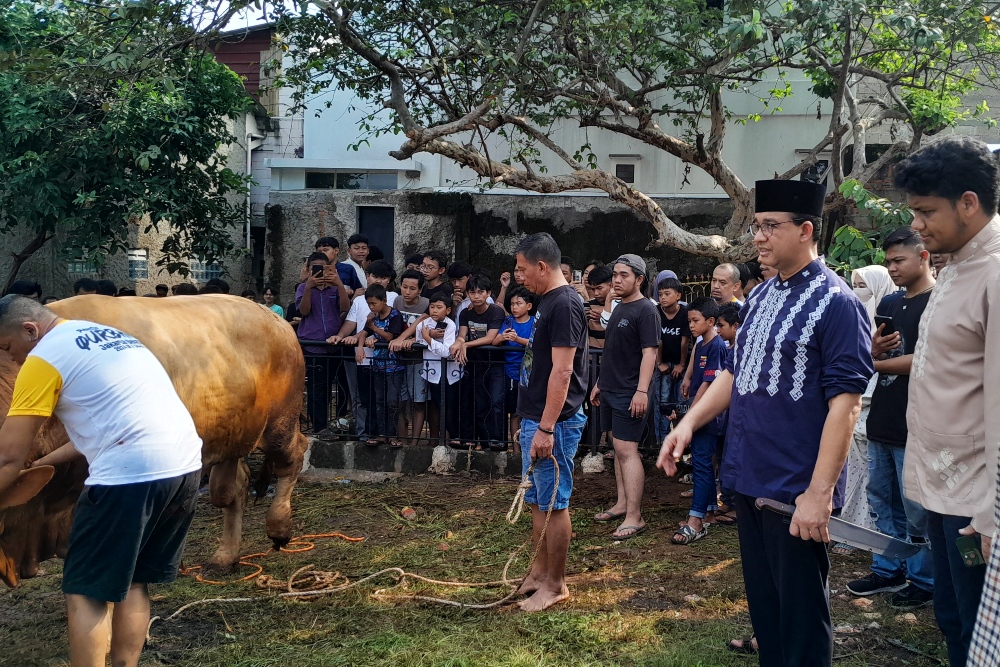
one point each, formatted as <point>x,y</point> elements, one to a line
<point>482,385</point>
<point>633,337</point>
<point>550,399</point>
<point>895,515</point>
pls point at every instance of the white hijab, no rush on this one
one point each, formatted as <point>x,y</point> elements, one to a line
<point>876,277</point>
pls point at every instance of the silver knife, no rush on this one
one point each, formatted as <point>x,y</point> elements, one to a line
<point>848,533</point>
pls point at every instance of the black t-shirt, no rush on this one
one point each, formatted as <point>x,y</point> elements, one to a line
<point>672,330</point>
<point>887,414</point>
<point>560,321</point>
<point>444,287</point>
<point>480,323</point>
<point>632,327</point>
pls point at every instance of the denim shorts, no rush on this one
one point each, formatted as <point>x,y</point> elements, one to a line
<point>543,477</point>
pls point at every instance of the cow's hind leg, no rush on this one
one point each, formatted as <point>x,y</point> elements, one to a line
<point>285,452</point>
<point>228,484</point>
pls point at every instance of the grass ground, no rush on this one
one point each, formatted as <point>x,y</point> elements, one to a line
<point>632,601</point>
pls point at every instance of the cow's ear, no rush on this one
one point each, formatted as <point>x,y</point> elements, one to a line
<point>29,482</point>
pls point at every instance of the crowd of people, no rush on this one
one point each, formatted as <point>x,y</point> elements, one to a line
<point>794,394</point>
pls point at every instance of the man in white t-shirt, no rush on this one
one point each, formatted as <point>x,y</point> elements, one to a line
<point>122,413</point>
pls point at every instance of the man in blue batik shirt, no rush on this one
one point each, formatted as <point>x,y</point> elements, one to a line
<point>793,390</point>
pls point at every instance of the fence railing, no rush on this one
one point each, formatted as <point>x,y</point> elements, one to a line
<point>394,399</point>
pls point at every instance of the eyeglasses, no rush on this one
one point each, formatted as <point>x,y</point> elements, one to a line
<point>765,228</point>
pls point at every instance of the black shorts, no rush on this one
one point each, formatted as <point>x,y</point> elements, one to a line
<point>510,395</point>
<point>128,533</point>
<point>616,416</point>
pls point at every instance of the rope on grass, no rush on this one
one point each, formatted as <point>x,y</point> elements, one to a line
<point>329,583</point>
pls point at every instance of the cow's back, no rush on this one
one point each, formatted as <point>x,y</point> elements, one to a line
<point>236,365</point>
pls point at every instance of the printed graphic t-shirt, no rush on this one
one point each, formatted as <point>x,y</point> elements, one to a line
<point>633,327</point>
<point>115,399</point>
<point>709,361</point>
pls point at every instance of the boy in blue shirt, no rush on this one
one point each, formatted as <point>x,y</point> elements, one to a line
<point>709,360</point>
<point>516,330</point>
<point>384,324</point>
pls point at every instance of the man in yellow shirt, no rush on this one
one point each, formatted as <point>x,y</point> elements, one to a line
<point>122,413</point>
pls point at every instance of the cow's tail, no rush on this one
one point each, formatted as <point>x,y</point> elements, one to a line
<point>263,480</point>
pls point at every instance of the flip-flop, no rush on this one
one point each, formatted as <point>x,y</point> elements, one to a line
<point>725,519</point>
<point>636,531</point>
<point>609,516</point>
<point>687,494</point>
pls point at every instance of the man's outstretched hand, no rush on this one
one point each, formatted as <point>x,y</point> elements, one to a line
<point>673,448</point>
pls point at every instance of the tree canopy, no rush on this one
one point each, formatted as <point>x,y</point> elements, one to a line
<point>109,114</point>
<point>462,77</point>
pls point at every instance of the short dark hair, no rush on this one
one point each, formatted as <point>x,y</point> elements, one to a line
<point>438,257</point>
<point>524,293</point>
<point>600,275</point>
<point>950,167</point>
<point>540,247</point>
<point>382,269</point>
<point>106,287</point>
<point>706,306</point>
<point>125,291</point>
<point>162,288</point>
<point>375,291</point>
<point>753,269</point>
<point>568,261</point>
<point>326,241</point>
<point>248,294</point>
<point>223,285</point>
<point>315,257</point>
<point>903,236</point>
<point>479,282</point>
<point>185,289</point>
<point>375,253</point>
<point>745,274</point>
<point>671,283</point>
<point>357,238</point>
<point>441,297</point>
<point>817,223</point>
<point>270,289</point>
<point>211,289</point>
<point>730,312</point>
<point>25,288</point>
<point>413,274</point>
<point>88,284</point>
<point>415,259</point>
<point>459,269</point>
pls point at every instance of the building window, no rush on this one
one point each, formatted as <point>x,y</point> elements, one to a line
<point>80,265</point>
<point>625,172</point>
<point>202,272</point>
<point>138,264</point>
<point>352,180</point>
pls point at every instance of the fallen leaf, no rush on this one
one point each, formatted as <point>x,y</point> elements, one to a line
<point>863,603</point>
<point>907,618</point>
<point>409,513</point>
<point>443,547</point>
<point>449,535</point>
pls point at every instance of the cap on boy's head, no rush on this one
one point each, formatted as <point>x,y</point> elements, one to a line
<point>796,197</point>
<point>634,262</point>
<point>664,274</point>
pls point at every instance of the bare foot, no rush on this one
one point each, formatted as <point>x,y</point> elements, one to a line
<point>544,598</point>
<point>531,583</point>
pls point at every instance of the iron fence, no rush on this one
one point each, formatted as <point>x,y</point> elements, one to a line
<point>389,399</point>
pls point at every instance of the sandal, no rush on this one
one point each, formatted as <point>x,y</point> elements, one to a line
<point>746,645</point>
<point>726,518</point>
<point>607,516</point>
<point>842,549</point>
<point>688,535</point>
<point>687,494</point>
<point>686,479</point>
<point>635,532</point>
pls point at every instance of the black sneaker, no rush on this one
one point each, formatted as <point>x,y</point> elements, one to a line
<point>911,597</point>
<point>874,583</point>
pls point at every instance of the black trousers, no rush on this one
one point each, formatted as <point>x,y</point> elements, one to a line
<point>787,584</point>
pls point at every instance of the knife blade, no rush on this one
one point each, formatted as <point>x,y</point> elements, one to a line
<point>848,533</point>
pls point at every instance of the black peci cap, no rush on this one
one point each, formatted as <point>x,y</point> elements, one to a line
<point>798,197</point>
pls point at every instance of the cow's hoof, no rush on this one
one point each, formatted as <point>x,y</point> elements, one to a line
<point>280,542</point>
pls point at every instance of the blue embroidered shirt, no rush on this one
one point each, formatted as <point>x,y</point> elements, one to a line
<point>803,341</point>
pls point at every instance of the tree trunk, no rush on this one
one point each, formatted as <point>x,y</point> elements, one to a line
<point>33,246</point>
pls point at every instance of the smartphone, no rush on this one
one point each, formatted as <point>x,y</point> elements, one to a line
<point>577,276</point>
<point>887,321</point>
<point>317,270</point>
<point>441,325</point>
<point>969,550</point>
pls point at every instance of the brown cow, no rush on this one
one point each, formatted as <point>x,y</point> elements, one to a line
<point>239,370</point>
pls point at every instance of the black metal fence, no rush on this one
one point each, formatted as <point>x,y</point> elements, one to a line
<point>402,399</point>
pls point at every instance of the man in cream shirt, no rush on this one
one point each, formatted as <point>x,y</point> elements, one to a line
<point>953,188</point>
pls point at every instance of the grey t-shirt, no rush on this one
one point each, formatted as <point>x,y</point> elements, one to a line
<point>411,313</point>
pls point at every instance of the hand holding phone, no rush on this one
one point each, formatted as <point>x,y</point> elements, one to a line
<point>889,329</point>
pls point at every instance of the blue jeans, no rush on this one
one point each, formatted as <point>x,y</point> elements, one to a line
<point>666,390</point>
<point>897,516</point>
<point>543,477</point>
<point>704,499</point>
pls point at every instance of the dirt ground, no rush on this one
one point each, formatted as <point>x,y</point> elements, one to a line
<point>639,602</point>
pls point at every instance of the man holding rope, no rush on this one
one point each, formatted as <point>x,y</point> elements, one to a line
<point>553,386</point>
<point>122,413</point>
<point>793,390</point>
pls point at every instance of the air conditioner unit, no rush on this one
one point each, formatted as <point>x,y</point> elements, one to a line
<point>412,173</point>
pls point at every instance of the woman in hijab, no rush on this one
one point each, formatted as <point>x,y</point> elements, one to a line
<point>871,284</point>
